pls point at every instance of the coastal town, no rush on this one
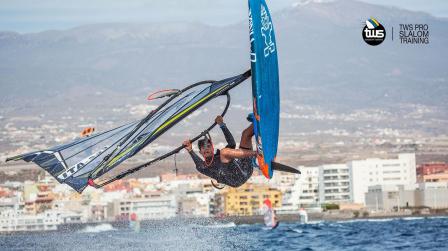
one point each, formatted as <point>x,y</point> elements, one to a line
<point>224,125</point>
<point>366,161</point>
<point>373,169</point>
<point>371,187</point>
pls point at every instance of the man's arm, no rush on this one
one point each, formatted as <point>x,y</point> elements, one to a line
<point>196,159</point>
<point>227,134</point>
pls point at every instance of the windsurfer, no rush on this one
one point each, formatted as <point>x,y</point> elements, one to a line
<point>229,165</point>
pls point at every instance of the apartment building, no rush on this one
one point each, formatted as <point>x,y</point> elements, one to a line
<point>305,191</point>
<point>342,183</point>
<point>334,183</point>
<point>393,197</point>
<point>432,168</point>
<point>372,172</point>
<point>248,199</point>
<point>156,206</point>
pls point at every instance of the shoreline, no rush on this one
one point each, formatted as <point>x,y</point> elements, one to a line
<point>313,217</point>
<point>237,220</point>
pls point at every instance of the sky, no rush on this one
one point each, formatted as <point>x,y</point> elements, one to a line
<point>27,16</point>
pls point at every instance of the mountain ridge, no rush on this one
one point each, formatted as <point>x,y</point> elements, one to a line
<point>321,54</point>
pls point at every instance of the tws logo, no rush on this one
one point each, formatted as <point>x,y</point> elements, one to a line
<point>373,33</point>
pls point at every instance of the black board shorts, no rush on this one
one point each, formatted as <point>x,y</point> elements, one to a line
<point>237,172</point>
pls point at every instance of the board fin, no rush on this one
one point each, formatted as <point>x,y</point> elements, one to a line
<point>283,168</point>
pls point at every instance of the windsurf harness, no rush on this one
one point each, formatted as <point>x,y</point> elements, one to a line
<point>80,162</point>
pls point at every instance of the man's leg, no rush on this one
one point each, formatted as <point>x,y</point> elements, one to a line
<point>246,138</point>
<point>245,150</point>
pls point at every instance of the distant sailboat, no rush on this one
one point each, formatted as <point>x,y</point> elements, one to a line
<point>270,219</point>
<point>303,216</point>
<point>134,223</point>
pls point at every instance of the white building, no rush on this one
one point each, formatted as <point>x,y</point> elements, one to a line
<point>432,194</point>
<point>371,172</point>
<point>334,183</point>
<point>285,183</point>
<point>305,192</point>
<point>321,184</point>
<point>390,197</point>
<point>13,220</point>
<point>156,206</point>
<point>339,183</point>
<point>195,205</point>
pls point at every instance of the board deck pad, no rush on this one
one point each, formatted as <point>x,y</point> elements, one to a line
<point>265,84</point>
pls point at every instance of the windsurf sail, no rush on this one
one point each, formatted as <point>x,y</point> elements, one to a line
<point>80,162</point>
<point>269,217</point>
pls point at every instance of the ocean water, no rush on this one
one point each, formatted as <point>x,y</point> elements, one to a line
<point>384,234</point>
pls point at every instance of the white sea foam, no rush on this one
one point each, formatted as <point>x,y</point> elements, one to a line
<point>413,218</point>
<point>297,230</point>
<point>366,220</point>
<point>98,228</point>
<point>382,220</point>
<point>438,217</point>
<point>225,225</point>
<point>314,222</point>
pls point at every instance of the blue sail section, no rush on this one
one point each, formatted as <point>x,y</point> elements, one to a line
<point>265,82</point>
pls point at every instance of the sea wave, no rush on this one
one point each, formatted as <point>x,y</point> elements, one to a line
<point>382,220</point>
<point>437,217</point>
<point>413,218</point>
<point>388,234</point>
<point>313,222</point>
<point>225,225</point>
<point>300,231</point>
<point>366,220</point>
<point>98,228</point>
<point>389,219</point>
